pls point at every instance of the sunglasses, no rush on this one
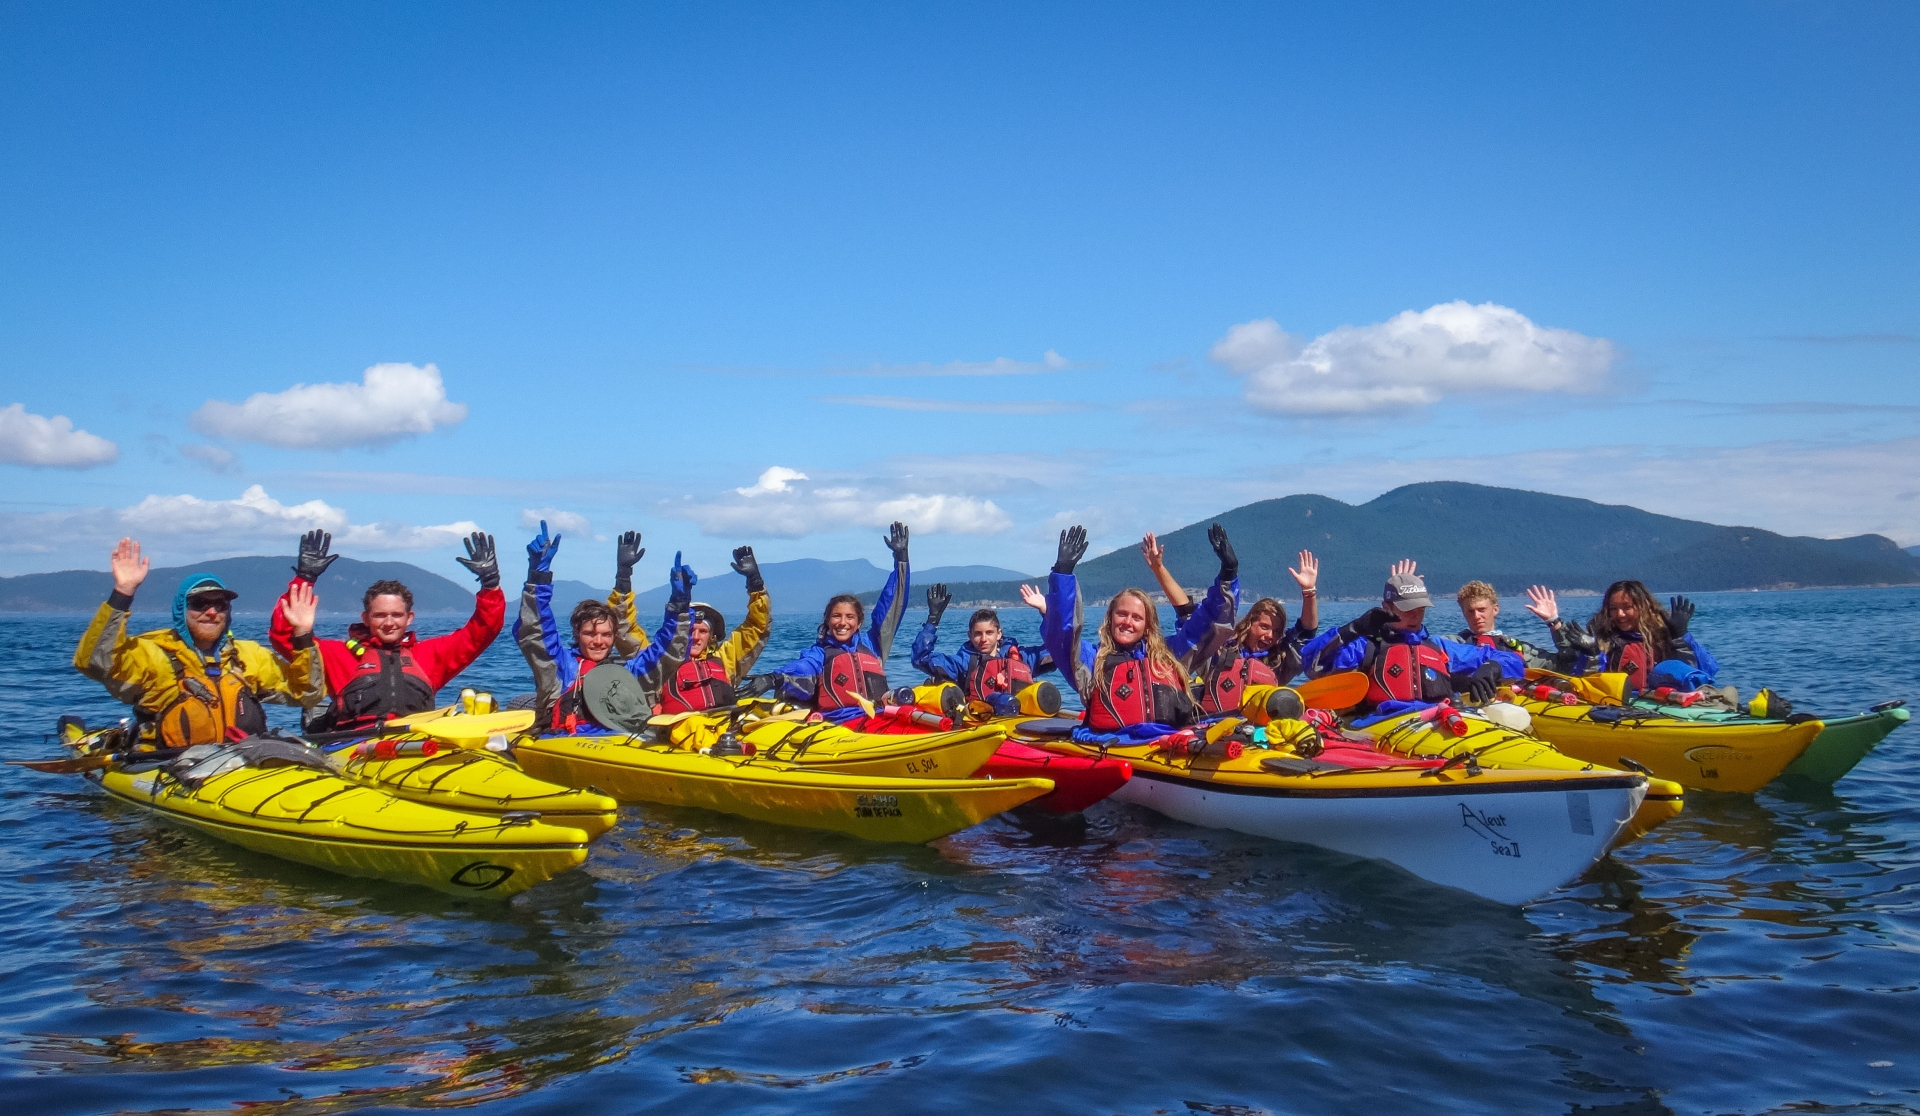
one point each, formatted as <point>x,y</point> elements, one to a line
<point>209,604</point>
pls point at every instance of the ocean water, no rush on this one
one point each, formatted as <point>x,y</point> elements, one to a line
<point>1758,954</point>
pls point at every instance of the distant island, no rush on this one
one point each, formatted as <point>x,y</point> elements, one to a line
<point>1459,532</point>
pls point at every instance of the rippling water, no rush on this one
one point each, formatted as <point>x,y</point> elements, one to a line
<point>1759,953</point>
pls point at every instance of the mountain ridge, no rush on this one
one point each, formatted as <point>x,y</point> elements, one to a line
<point>1511,537</point>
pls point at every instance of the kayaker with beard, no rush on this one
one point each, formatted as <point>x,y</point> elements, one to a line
<point>194,683</point>
<point>846,664</point>
<point>1480,607</point>
<point>990,664</point>
<point>382,669</point>
<point>1261,650</point>
<point>571,692</point>
<point>1130,679</point>
<point>716,659</point>
<point>1402,661</point>
<point>1634,635</point>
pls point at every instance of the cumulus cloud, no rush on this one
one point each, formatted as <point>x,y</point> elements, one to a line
<point>50,443</point>
<point>779,478</point>
<point>391,402</point>
<point>565,522</point>
<point>1414,359</point>
<point>778,504</point>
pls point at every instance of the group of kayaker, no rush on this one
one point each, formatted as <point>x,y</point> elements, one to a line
<point>193,683</point>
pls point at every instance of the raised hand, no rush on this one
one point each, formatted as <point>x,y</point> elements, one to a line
<point>896,540</point>
<point>483,560</point>
<point>1153,552</point>
<point>1679,615</point>
<point>1308,575</point>
<point>540,554</point>
<point>1035,599</point>
<point>129,567</point>
<point>1404,566</point>
<point>314,558</point>
<point>680,581</point>
<point>1073,547</point>
<point>1543,604</point>
<point>747,566</point>
<point>627,553</point>
<point>1229,562</point>
<point>299,607</point>
<point>937,601</point>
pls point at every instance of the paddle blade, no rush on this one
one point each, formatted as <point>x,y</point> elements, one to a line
<point>1334,691</point>
<point>71,765</point>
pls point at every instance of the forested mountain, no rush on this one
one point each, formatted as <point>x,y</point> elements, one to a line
<point>1458,532</point>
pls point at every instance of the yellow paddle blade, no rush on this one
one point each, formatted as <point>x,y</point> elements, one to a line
<point>1334,691</point>
<point>1594,689</point>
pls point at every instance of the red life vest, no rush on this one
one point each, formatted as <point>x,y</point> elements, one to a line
<point>1002,674</point>
<point>1486,640</point>
<point>1407,672</point>
<point>386,681</point>
<point>1633,657</point>
<point>1230,681</point>
<point>847,672</point>
<point>699,684</point>
<point>1135,692</point>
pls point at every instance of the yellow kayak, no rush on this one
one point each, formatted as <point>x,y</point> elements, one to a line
<point>476,782</point>
<point>1496,746</point>
<point>1506,835</point>
<point>1738,756</point>
<point>877,808</point>
<point>320,819</point>
<point>822,746</point>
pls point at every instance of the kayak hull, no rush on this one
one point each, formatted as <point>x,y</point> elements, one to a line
<point>1494,745</point>
<point>1510,843</point>
<point>1737,756</point>
<point>870,807</point>
<point>1078,781</point>
<point>331,823</point>
<point>1843,742</point>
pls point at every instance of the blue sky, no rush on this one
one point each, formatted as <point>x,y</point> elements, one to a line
<point>993,270</point>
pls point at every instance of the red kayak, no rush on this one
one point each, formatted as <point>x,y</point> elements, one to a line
<point>1078,781</point>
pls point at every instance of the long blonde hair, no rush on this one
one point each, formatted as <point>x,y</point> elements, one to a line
<point>1157,653</point>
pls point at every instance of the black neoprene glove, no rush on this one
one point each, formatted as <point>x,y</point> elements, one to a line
<point>1479,685</point>
<point>1229,562</point>
<point>482,560</point>
<point>1367,625</point>
<point>314,558</point>
<point>748,567</point>
<point>896,540</point>
<point>937,601</point>
<point>1569,635</point>
<point>627,553</point>
<point>755,685</point>
<point>1679,615</point>
<point>1073,547</point>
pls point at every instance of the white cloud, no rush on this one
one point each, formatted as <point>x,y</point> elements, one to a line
<point>565,522</point>
<point>50,443</point>
<point>777,505</point>
<point>254,519</point>
<point>1413,359</point>
<point>988,407</point>
<point>779,478</point>
<point>392,401</point>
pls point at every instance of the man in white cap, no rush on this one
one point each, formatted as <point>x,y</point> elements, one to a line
<point>1404,663</point>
